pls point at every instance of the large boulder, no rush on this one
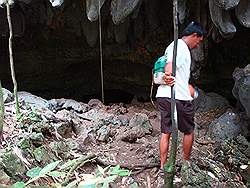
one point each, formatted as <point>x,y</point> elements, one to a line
<point>226,126</point>
<point>210,101</point>
<point>241,87</point>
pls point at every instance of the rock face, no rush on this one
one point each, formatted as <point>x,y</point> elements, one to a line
<point>57,53</point>
<point>241,87</point>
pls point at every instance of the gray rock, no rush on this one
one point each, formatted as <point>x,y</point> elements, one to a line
<point>58,104</point>
<point>222,20</point>
<point>7,96</point>
<point>123,119</point>
<point>225,126</point>
<point>36,138</point>
<point>103,133</point>
<point>216,174</point>
<point>86,139</point>
<point>92,9</point>
<point>193,176</point>
<point>227,4</point>
<point>12,164</point>
<point>142,121</point>
<point>65,129</point>
<point>64,148</point>
<point>210,101</point>
<point>32,100</point>
<point>131,135</point>
<point>241,87</point>
<point>139,126</point>
<point>43,156</point>
<point>121,9</point>
<point>95,103</point>
<point>242,12</point>
<point>232,152</point>
<point>4,178</point>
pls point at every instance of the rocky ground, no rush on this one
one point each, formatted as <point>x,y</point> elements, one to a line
<point>124,134</point>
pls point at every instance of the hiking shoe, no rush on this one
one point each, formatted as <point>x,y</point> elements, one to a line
<point>161,173</point>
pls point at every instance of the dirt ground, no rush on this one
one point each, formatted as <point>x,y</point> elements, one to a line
<point>142,155</point>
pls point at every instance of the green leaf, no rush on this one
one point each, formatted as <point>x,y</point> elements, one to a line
<point>72,184</point>
<point>56,174</point>
<point>68,164</point>
<point>107,167</point>
<point>34,172</point>
<point>100,169</point>
<point>123,172</point>
<point>115,169</point>
<point>48,168</point>
<point>88,186</point>
<point>18,184</point>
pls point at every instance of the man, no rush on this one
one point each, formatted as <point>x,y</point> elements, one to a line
<point>191,37</point>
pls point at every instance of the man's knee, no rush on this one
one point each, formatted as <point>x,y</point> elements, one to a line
<point>165,136</point>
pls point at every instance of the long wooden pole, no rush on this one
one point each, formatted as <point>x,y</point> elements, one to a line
<point>11,59</point>
<point>100,47</point>
<point>169,167</point>
<point>1,114</point>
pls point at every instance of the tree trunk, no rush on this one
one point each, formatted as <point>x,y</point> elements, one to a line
<point>11,59</point>
<point>169,167</point>
<point>1,114</point>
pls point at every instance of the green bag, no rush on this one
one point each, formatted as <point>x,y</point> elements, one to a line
<point>158,71</point>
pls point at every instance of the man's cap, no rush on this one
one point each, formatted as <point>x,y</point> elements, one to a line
<point>194,27</point>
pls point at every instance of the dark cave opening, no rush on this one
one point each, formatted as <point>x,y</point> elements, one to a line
<point>65,68</point>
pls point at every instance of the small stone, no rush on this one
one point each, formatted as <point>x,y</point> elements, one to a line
<point>4,178</point>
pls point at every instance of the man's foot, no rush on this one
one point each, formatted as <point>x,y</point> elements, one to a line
<point>161,173</point>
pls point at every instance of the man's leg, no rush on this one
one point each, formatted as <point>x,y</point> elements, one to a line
<point>164,145</point>
<point>187,145</point>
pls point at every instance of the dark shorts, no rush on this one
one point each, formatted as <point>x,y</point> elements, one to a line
<point>185,114</point>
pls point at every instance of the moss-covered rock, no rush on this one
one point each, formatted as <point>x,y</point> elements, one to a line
<point>64,148</point>
<point>13,165</point>
<point>43,156</point>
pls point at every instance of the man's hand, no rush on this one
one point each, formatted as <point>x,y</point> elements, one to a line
<point>170,80</point>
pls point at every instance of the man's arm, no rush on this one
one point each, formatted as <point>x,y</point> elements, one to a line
<point>168,78</point>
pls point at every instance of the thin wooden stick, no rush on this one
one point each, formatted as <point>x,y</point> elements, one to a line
<point>169,167</point>
<point>11,59</point>
<point>1,114</point>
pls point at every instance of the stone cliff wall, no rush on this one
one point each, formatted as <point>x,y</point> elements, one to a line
<point>56,51</point>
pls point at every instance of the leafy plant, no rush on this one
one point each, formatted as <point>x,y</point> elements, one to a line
<point>31,116</point>
<point>101,179</point>
<point>38,172</point>
<point>104,177</point>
